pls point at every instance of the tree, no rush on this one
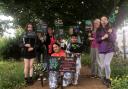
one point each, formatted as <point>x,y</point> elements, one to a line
<point>48,10</point>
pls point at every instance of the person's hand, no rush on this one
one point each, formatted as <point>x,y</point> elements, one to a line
<point>90,38</point>
<point>27,45</point>
<point>89,34</point>
<point>105,36</point>
<point>110,30</point>
<point>30,49</point>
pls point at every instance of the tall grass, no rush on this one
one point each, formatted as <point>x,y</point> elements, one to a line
<point>11,75</point>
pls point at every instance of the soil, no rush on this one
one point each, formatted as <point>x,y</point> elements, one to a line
<point>85,82</point>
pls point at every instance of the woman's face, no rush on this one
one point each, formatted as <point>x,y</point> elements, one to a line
<point>29,27</point>
<point>50,31</point>
<point>56,48</point>
<point>96,24</point>
<point>104,21</point>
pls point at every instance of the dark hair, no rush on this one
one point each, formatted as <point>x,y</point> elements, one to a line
<point>56,44</point>
<point>74,35</point>
<point>26,27</point>
<point>108,25</point>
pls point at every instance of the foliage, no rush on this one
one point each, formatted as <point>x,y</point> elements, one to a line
<point>119,67</point>
<point>10,46</point>
<point>120,83</point>
<point>119,73</point>
<point>48,10</point>
<point>11,75</point>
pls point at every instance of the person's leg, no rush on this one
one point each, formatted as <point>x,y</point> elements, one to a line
<point>78,67</point>
<point>38,56</point>
<point>101,64</point>
<point>67,79</point>
<point>92,61</point>
<point>108,59</point>
<point>98,64</point>
<point>26,69</point>
<point>31,69</point>
<point>53,79</point>
<point>107,62</point>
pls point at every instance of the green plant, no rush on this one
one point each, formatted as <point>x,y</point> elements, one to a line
<point>85,59</point>
<point>120,83</point>
<point>11,75</point>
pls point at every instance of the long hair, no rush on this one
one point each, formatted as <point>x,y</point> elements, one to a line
<point>30,23</point>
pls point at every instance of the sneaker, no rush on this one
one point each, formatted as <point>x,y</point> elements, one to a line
<point>108,83</point>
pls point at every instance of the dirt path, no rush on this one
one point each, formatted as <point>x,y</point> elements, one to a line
<point>85,82</point>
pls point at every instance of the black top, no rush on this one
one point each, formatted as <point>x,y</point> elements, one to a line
<point>29,38</point>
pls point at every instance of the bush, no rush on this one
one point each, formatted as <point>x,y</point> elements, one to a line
<point>119,67</point>
<point>11,75</point>
<point>9,47</point>
<point>120,83</point>
<point>119,73</point>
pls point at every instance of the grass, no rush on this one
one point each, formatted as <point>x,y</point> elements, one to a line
<point>11,75</point>
<point>85,59</point>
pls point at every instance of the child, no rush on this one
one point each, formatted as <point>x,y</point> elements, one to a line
<point>75,48</point>
<point>53,75</point>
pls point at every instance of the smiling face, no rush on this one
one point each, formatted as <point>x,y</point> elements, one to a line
<point>56,48</point>
<point>104,21</point>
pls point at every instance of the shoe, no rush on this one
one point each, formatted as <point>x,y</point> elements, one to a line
<point>108,83</point>
<point>30,81</point>
<point>26,81</point>
<point>93,76</point>
<point>103,80</point>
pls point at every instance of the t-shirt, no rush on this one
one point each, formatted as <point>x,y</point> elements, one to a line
<point>59,54</point>
<point>75,47</point>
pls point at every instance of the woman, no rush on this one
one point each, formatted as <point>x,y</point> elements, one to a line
<point>95,70</point>
<point>28,43</point>
<point>50,40</point>
<point>53,75</point>
<point>106,39</point>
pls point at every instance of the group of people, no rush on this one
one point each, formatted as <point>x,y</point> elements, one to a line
<point>102,37</point>
<point>32,43</point>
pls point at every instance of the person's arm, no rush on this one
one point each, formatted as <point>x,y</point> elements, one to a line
<point>68,48</point>
<point>100,37</point>
<point>111,35</point>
